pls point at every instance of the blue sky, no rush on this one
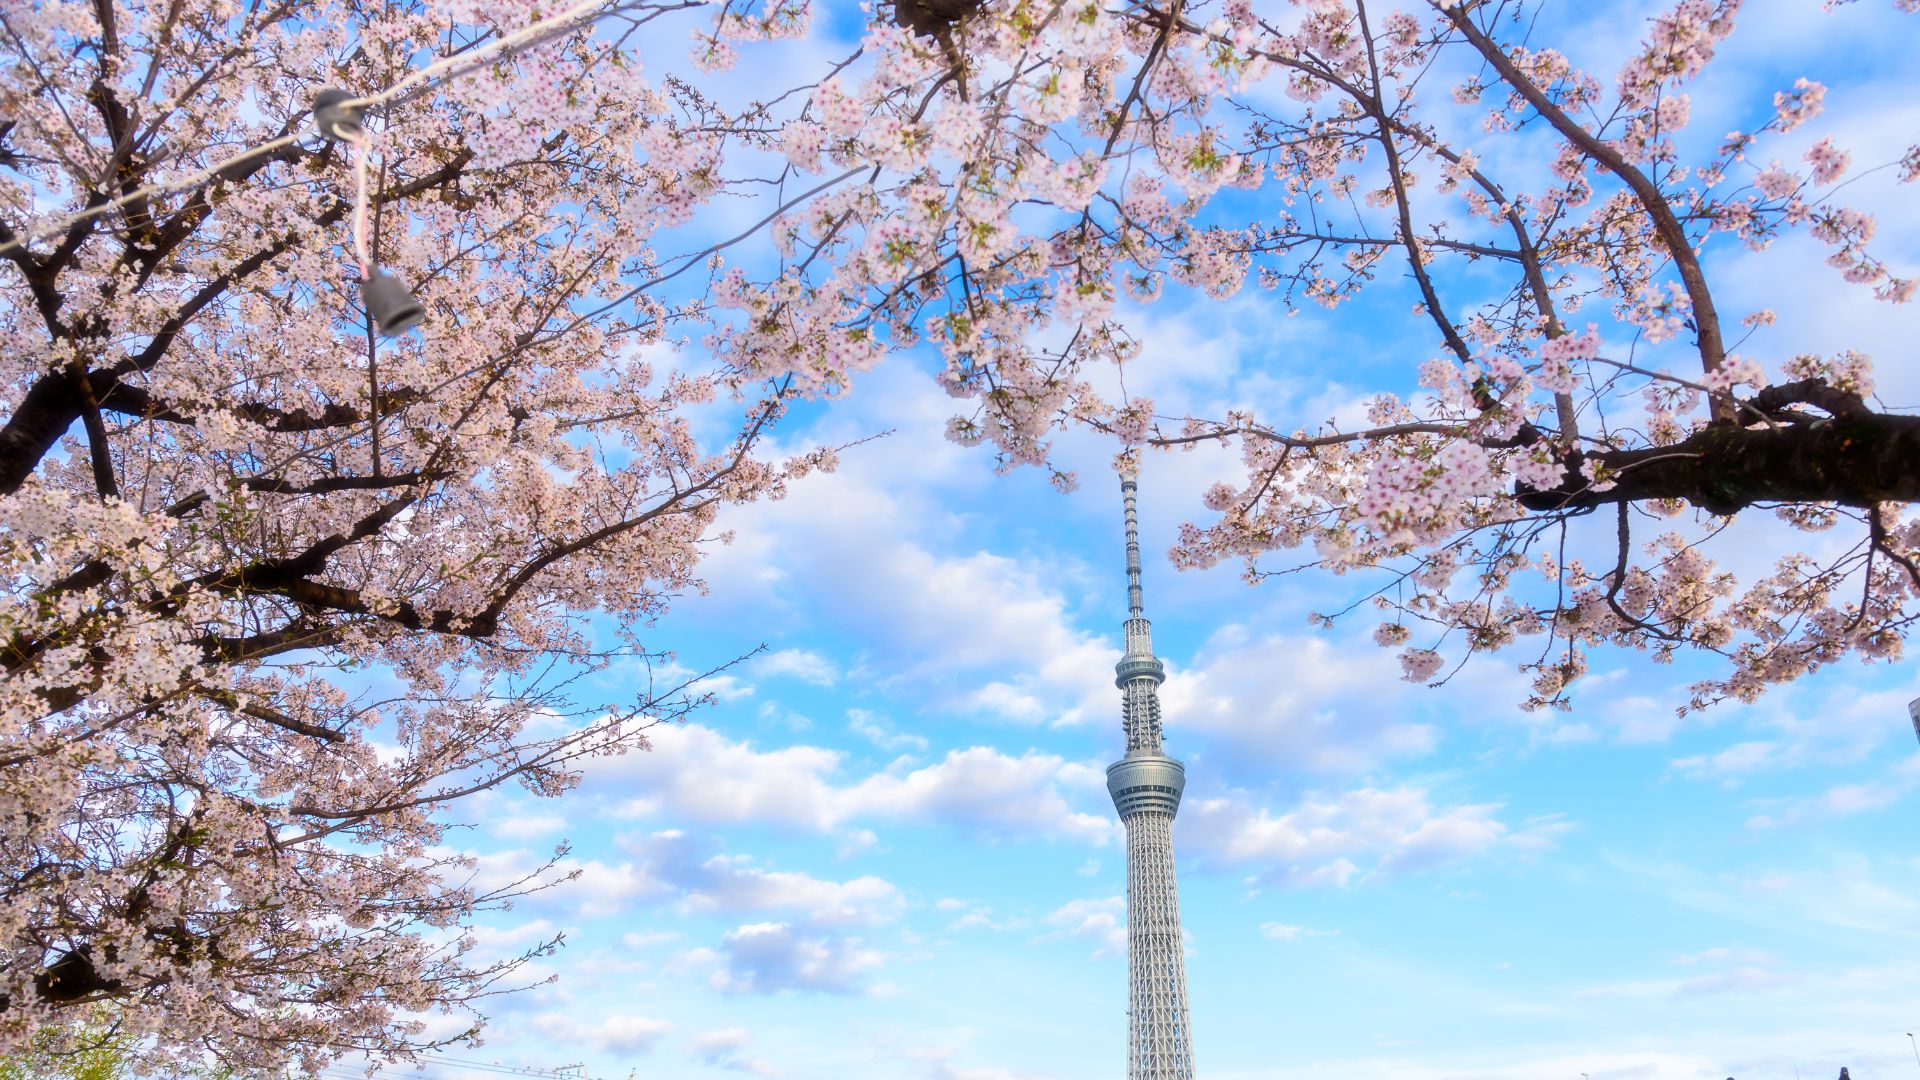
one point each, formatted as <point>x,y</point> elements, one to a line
<point>886,850</point>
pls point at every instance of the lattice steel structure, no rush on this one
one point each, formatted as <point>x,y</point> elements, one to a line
<point>1146,786</point>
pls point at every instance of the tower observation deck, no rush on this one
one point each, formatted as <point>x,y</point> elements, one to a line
<point>1146,785</point>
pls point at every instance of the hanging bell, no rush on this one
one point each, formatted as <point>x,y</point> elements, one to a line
<point>333,119</point>
<point>391,303</point>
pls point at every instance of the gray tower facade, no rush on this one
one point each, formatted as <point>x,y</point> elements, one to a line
<point>1146,786</point>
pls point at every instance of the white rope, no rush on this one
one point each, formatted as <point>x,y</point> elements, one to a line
<point>191,180</point>
<point>362,144</point>
<point>450,68</point>
<point>455,66</point>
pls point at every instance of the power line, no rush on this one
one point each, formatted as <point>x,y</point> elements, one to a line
<point>453,1065</point>
<point>522,1069</point>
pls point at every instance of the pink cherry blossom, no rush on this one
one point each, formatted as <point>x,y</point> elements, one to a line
<point>1828,161</point>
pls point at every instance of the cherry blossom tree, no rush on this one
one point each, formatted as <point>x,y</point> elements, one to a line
<point>1007,182</point>
<point>280,588</point>
<point>284,589</point>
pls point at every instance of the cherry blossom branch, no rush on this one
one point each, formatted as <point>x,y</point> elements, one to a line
<point>1396,178</point>
<point>1678,245</point>
<point>1299,442</point>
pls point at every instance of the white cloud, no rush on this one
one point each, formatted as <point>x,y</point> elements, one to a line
<point>949,1071</point>
<point>800,664</point>
<point>1731,763</point>
<point>622,1033</point>
<point>721,1049</point>
<point>869,551</point>
<point>594,887</point>
<point>1810,725</point>
<point>860,900</point>
<point>1740,980</point>
<point>1319,841</point>
<point>606,889</point>
<point>1295,702</point>
<point>979,917</point>
<point>494,942</point>
<point>1597,1063</point>
<point>943,1068</point>
<point>1009,701</point>
<point>518,826</point>
<point>723,687</point>
<point>694,773</point>
<point>1733,970</point>
<point>808,949</point>
<point>672,864</point>
<point>1638,719</point>
<point>730,885</point>
<point>1016,627</point>
<point>1844,891</point>
<point>858,842</point>
<point>985,790</point>
<point>695,959</point>
<point>714,1043</point>
<point>877,730</point>
<point>766,958</point>
<point>772,712</point>
<point>1840,800</point>
<point>1569,734</point>
<point>1099,919</point>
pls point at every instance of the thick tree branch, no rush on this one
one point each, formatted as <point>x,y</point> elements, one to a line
<point>1861,459</point>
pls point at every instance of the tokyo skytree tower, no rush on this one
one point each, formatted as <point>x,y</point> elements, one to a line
<point>1146,786</point>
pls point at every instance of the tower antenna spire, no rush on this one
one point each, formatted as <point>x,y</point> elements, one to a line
<point>1128,486</point>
